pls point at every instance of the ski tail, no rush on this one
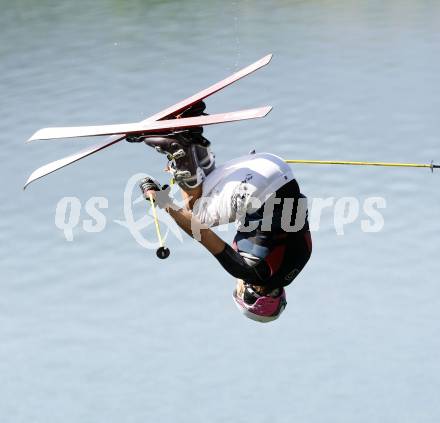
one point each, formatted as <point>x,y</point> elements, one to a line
<point>65,161</point>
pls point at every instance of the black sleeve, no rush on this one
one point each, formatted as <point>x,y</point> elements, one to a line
<point>235,265</point>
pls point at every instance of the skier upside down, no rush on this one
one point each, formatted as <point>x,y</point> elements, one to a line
<point>260,192</point>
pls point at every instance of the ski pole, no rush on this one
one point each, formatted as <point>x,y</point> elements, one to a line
<point>431,165</point>
<point>162,252</point>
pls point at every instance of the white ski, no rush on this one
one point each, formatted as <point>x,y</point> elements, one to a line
<point>166,113</point>
<point>136,128</point>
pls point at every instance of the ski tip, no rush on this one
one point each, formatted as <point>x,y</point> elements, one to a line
<point>263,61</point>
<point>266,110</point>
<point>36,174</point>
<point>35,136</point>
<point>266,59</point>
<point>32,177</point>
<point>26,184</point>
<point>43,134</point>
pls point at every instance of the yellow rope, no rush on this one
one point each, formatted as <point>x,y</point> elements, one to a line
<point>339,162</point>
<point>156,220</point>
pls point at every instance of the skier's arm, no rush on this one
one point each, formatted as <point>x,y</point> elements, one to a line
<point>230,259</point>
<point>209,239</point>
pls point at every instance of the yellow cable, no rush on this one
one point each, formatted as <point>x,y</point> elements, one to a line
<point>338,162</point>
<point>156,220</point>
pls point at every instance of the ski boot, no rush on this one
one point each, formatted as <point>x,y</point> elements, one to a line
<point>188,151</point>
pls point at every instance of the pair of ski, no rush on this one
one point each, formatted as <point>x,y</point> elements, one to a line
<point>165,120</point>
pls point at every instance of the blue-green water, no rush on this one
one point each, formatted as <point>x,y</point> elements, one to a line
<point>100,330</point>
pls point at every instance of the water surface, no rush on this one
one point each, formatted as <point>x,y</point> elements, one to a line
<point>99,329</point>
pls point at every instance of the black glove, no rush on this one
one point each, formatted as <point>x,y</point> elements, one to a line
<point>162,196</point>
<point>149,184</point>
